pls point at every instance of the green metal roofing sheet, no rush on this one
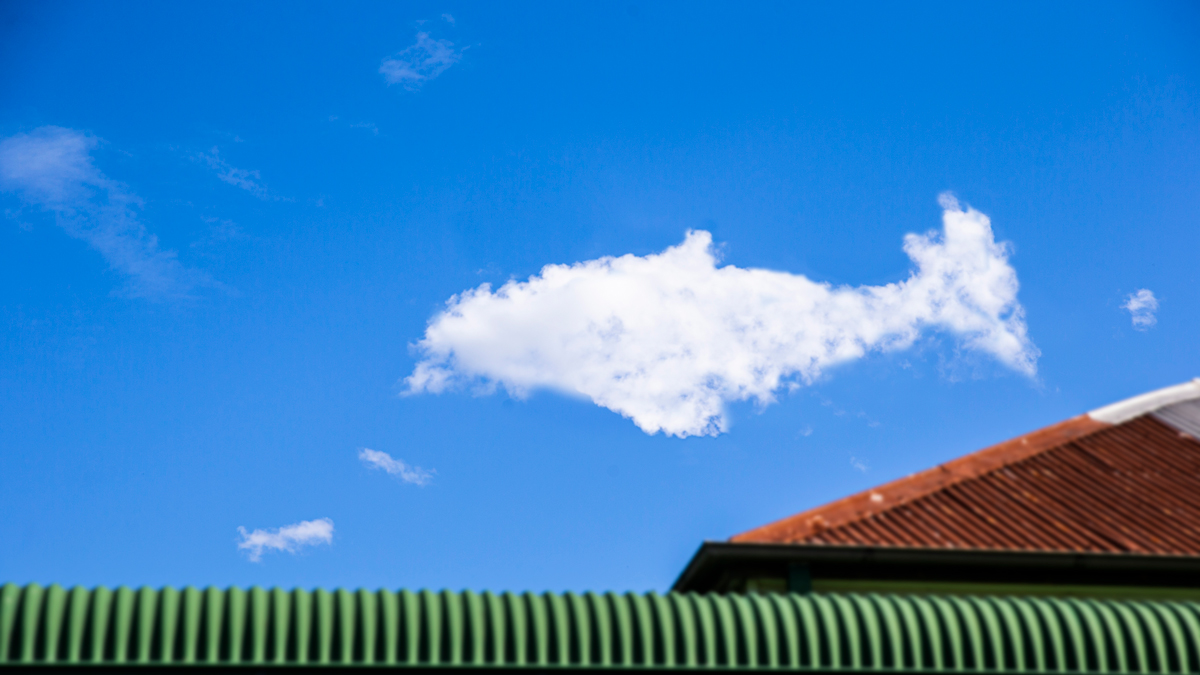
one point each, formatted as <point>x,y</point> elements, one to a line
<point>55,626</point>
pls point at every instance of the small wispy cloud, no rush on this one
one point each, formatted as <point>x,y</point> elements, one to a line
<point>221,233</point>
<point>449,18</point>
<point>219,230</point>
<point>246,179</point>
<point>290,538</point>
<point>424,60</point>
<point>1141,306</point>
<point>369,126</point>
<point>859,464</point>
<point>395,467</point>
<point>52,168</point>
<point>870,422</point>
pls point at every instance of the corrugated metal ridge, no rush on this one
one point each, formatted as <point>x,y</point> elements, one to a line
<point>851,632</point>
<point>863,505</point>
<point>1122,411</point>
<point>1184,416</point>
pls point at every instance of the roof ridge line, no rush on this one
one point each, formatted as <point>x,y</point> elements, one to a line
<point>914,486</point>
<point>1123,411</point>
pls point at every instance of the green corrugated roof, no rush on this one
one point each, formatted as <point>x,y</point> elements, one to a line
<point>677,630</point>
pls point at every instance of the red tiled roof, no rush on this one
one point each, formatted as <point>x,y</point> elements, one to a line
<point>1125,478</point>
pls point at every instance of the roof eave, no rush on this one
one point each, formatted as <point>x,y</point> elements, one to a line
<point>1102,568</point>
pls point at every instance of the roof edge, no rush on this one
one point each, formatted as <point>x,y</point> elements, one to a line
<point>903,490</point>
<point>1123,411</point>
<point>716,555</point>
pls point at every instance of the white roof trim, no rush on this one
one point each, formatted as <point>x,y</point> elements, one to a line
<point>1130,408</point>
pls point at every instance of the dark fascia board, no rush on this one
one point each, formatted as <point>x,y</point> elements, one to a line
<point>443,669</point>
<point>274,669</point>
<point>715,559</point>
<point>227,668</point>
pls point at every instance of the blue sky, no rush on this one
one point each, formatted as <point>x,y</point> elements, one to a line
<point>800,251</point>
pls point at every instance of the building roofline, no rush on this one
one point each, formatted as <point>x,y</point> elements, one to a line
<point>51,629</point>
<point>716,557</point>
<point>1123,411</point>
<point>914,486</point>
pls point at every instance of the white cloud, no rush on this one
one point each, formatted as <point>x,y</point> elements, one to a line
<point>424,60</point>
<point>52,168</point>
<point>448,18</point>
<point>291,538</point>
<point>245,179</point>
<point>1141,306</point>
<point>668,339</point>
<point>395,467</point>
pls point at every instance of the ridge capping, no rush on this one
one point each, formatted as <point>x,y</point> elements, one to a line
<point>1123,411</point>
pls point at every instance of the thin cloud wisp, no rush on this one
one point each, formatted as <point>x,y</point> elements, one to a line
<point>419,63</point>
<point>395,467</point>
<point>52,168</point>
<point>289,539</point>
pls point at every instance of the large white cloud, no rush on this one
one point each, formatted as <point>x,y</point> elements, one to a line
<point>668,339</point>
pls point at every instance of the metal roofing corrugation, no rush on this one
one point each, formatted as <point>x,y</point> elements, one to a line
<point>1184,416</point>
<point>54,626</point>
<point>1134,487</point>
